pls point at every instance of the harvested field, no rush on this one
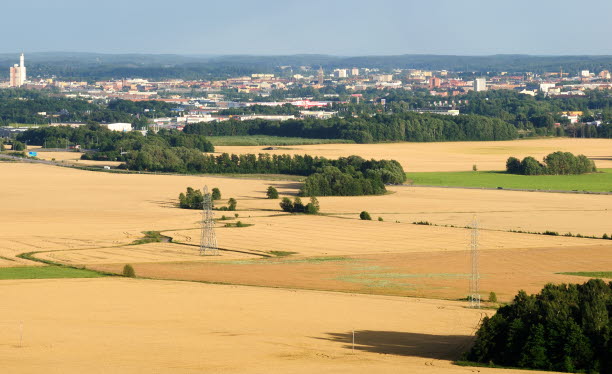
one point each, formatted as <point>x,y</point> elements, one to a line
<point>137,326</point>
<point>450,156</point>
<point>418,274</point>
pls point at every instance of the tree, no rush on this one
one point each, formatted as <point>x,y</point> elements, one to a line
<point>513,166</point>
<point>18,146</point>
<point>231,204</point>
<point>365,216</point>
<point>298,206</point>
<point>128,271</point>
<point>313,206</point>
<point>216,194</point>
<point>272,193</point>
<point>286,205</point>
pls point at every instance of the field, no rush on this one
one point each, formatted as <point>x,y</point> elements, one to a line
<point>180,327</point>
<point>268,294</point>
<point>256,140</point>
<point>453,156</point>
<point>596,182</point>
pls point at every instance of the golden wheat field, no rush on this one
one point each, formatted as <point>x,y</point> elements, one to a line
<point>92,219</point>
<point>453,156</point>
<point>143,326</point>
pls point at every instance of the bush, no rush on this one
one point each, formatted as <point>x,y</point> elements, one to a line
<point>365,216</point>
<point>272,193</point>
<point>18,146</point>
<point>240,224</point>
<point>128,271</point>
<point>231,204</point>
<point>380,219</point>
<point>215,194</point>
<point>286,205</point>
<point>474,167</point>
<point>492,297</point>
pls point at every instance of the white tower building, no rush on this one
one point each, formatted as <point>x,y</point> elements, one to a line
<point>18,73</point>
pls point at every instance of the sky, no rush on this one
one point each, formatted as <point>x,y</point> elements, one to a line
<point>335,27</point>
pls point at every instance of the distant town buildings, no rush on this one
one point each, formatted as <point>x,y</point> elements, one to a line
<point>480,84</point>
<point>18,73</point>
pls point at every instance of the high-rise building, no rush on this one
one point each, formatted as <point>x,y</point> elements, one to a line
<point>18,73</point>
<point>434,82</point>
<point>340,73</point>
<point>480,84</point>
<point>354,72</point>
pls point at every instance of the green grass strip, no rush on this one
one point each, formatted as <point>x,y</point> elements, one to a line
<point>591,274</point>
<point>46,272</point>
<point>593,182</point>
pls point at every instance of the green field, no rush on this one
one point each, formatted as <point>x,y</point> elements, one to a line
<point>46,272</point>
<point>595,182</point>
<point>255,140</point>
<point>591,274</point>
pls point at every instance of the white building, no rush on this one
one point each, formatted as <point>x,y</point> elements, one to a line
<point>118,126</point>
<point>545,87</point>
<point>340,73</point>
<point>354,72</point>
<point>18,73</point>
<point>480,84</point>
<point>585,73</point>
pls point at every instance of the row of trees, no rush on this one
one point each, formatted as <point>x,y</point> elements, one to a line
<point>194,199</point>
<point>407,126</point>
<point>296,206</point>
<point>556,163</point>
<point>109,145</point>
<point>345,176</point>
<point>563,328</point>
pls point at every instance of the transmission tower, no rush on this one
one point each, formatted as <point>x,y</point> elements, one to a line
<point>475,278</point>
<point>208,240</point>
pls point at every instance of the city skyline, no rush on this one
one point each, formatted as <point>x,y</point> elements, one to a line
<point>274,27</point>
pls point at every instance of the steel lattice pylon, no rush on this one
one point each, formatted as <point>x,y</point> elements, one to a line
<point>475,278</point>
<point>208,240</point>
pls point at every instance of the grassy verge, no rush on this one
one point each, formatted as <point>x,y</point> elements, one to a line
<point>46,272</point>
<point>152,237</point>
<point>594,182</point>
<point>591,274</point>
<point>256,140</point>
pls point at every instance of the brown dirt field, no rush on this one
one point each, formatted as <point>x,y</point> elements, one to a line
<point>138,326</point>
<point>419,274</point>
<point>449,156</point>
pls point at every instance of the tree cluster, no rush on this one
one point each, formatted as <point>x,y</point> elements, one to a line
<point>296,206</point>
<point>346,176</point>
<point>556,163</point>
<point>563,328</point>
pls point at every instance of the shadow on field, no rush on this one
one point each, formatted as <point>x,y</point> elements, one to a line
<point>442,347</point>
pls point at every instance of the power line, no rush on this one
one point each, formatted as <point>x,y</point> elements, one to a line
<point>208,239</point>
<point>475,278</point>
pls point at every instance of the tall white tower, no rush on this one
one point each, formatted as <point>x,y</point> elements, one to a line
<point>18,73</point>
<point>22,68</point>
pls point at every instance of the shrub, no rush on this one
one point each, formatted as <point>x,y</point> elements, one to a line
<point>236,215</point>
<point>380,219</point>
<point>216,194</point>
<point>365,216</point>
<point>474,167</point>
<point>240,224</point>
<point>18,146</point>
<point>286,205</point>
<point>492,297</point>
<point>231,204</point>
<point>128,271</point>
<point>272,193</point>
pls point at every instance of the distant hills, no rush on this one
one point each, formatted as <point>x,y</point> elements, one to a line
<point>156,66</point>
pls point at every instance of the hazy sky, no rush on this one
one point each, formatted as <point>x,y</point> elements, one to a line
<point>338,27</point>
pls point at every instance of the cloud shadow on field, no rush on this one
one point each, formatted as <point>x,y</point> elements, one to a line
<point>442,347</point>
